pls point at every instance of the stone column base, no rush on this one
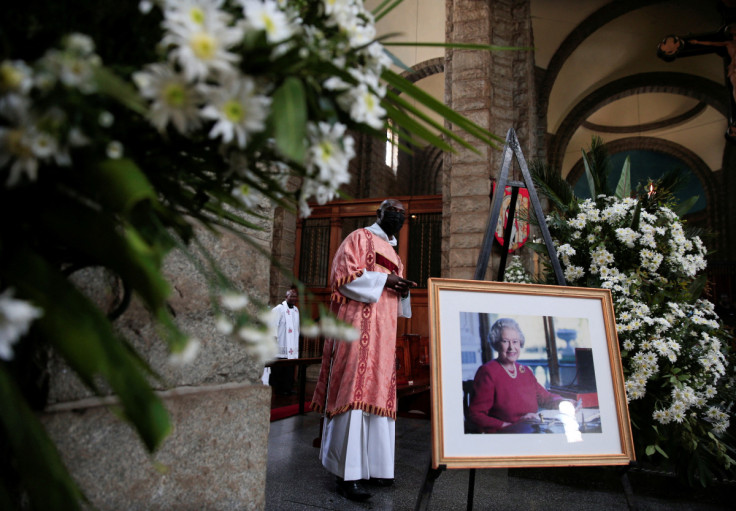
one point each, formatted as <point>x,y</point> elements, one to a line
<point>214,459</point>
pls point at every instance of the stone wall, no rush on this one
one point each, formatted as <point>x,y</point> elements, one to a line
<point>495,90</point>
<point>215,457</point>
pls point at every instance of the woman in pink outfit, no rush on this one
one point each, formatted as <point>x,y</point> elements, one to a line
<point>506,393</point>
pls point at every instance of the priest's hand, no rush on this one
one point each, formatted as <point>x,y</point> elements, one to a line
<point>401,286</point>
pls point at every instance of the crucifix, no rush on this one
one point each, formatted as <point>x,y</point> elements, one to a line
<point>723,43</point>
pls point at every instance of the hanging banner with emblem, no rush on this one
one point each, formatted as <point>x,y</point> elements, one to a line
<point>520,228</point>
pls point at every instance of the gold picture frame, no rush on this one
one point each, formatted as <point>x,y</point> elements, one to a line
<point>577,363</point>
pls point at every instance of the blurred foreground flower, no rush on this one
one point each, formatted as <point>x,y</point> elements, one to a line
<point>16,317</point>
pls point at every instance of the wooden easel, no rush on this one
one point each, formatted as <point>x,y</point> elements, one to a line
<point>511,148</point>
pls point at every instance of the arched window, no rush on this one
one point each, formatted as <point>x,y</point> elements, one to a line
<point>392,147</point>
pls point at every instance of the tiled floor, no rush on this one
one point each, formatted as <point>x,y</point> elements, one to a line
<point>297,481</point>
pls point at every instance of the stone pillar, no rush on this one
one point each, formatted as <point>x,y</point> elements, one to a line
<point>216,454</point>
<point>495,90</point>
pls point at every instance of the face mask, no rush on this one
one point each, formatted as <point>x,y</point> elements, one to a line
<point>391,222</point>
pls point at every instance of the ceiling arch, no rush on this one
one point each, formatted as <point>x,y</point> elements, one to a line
<point>636,128</point>
<point>702,89</point>
<point>577,36</point>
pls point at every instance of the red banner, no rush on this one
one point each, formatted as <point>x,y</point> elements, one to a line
<point>520,229</point>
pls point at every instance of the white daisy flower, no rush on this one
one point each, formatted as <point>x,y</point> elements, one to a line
<point>364,106</point>
<point>330,152</point>
<point>80,44</point>
<point>237,109</point>
<point>114,150</point>
<point>203,49</point>
<point>193,14</point>
<point>16,317</point>
<point>223,325</point>
<point>187,354</point>
<point>16,146</point>
<point>15,77</point>
<point>267,17</point>
<point>234,301</point>
<point>247,196</point>
<point>173,99</point>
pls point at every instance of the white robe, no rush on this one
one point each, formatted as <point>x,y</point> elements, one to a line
<point>356,444</point>
<point>287,330</point>
<point>287,335</point>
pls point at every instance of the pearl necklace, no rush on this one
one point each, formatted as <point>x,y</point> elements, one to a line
<point>513,373</point>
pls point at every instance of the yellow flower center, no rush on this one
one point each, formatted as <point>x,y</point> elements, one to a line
<point>204,46</point>
<point>10,78</point>
<point>196,14</point>
<point>369,102</point>
<point>269,24</point>
<point>326,150</point>
<point>174,95</point>
<point>16,145</point>
<point>233,111</point>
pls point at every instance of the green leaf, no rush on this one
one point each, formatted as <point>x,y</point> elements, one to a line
<point>289,114</point>
<point>623,189</point>
<point>102,239</point>
<point>400,115</point>
<point>404,86</point>
<point>416,128</point>
<point>650,450</point>
<point>635,217</point>
<point>681,209</point>
<point>696,288</point>
<point>112,85</point>
<point>42,473</point>
<point>85,338</point>
<point>384,8</point>
<point>660,451</point>
<point>589,176</point>
<point>551,184</point>
<point>118,185</point>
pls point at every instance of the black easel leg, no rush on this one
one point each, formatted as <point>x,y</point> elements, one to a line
<point>628,491</point>
<point>471,488</point>
<point>425,492</point>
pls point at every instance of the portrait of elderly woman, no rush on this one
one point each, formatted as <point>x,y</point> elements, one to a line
<point>506,396</point>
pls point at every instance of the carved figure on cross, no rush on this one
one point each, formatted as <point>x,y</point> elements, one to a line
<point>722,43</point>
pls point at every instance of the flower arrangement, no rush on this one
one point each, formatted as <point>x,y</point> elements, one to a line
<point>124,126</point>
<point>675,355</point>
<point>515,272</point>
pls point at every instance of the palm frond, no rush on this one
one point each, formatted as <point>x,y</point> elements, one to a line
<point>550,183</point>
<point>600,166</point>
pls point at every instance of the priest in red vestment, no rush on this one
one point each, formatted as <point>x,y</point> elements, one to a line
<point>359,378</point>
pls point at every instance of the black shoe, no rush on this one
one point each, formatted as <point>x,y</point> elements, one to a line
<point>352,490</point>
<point>379,481</point>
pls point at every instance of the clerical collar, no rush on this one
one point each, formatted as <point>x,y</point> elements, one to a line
<point>376,229</point>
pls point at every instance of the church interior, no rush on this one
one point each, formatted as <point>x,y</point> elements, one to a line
<point>577,69</point>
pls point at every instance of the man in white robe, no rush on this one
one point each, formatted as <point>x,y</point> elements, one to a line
<point>287,337</point>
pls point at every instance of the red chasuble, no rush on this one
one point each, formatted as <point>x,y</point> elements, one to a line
<point>363,371</point>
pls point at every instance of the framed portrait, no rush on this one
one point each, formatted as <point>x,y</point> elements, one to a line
<point>525,375</point>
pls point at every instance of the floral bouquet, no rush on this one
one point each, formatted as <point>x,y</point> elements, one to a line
<point>679,384</point>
